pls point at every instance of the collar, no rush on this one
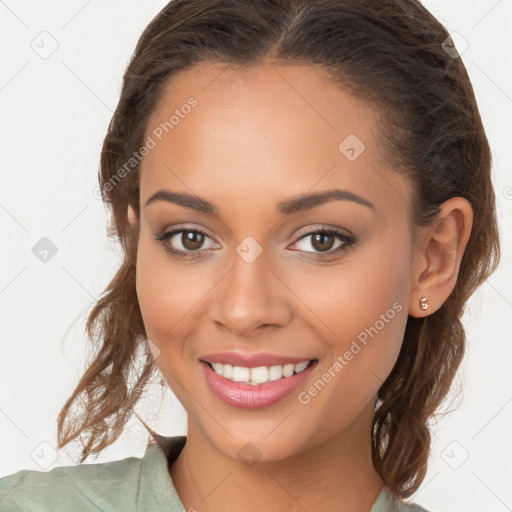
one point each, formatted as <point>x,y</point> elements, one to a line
<point>157,493</point>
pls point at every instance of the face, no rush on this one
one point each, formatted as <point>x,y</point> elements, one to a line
<point>253,279</point>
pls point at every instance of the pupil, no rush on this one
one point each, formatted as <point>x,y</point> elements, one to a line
<point>192,240</point>
<point>320,241</point>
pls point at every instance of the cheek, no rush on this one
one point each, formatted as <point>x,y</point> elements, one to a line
<point>353,296</point>
<point>365,308</point>
<point>364,305</point>
<point>169,297</point>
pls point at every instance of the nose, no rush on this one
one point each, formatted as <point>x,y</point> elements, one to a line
<point>250,298</point>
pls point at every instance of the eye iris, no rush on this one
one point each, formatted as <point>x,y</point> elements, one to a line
<point>320,241</point>
<point>192,240</point>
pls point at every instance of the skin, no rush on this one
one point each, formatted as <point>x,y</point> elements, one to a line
<point>257,136</point>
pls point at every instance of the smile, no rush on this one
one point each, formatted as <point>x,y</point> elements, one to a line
<point>259,374</point>
<point>254,386</point>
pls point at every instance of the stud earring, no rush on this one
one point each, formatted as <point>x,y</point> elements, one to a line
<point>424,303</point>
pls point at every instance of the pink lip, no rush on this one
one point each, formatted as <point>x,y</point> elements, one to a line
<point>246,396</point>
<point>252,360</point>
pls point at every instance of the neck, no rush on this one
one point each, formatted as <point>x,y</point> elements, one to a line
<point>336,474</point>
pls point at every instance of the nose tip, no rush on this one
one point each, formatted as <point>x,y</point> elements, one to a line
<point>244,327</point>
<point>250,299</point>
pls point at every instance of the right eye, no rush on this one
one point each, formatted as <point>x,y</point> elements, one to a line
<point>184,243</point>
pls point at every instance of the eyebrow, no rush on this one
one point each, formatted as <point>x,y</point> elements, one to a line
<point>295,204</point>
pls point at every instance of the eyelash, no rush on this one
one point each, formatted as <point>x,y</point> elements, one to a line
<point>347,240</point>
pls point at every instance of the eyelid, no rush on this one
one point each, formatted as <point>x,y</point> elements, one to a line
<point>322,228</point>
<point>186,227</point>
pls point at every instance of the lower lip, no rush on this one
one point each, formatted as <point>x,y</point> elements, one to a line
<point>246,396</point>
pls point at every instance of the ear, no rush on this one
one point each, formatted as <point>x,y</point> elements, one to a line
<point>439,251</point>
<point>131,215</point>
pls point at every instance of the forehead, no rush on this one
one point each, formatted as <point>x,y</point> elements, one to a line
<point>268,131</point>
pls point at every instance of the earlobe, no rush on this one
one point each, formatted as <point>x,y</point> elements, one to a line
<point>131,215</point>
<point>439,257</point>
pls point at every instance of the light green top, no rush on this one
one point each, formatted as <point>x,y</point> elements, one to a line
<point>131,484</point>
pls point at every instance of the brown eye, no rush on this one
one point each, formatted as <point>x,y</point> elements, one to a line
<point>186,243</point>
<point>322,241</point>
<point>192,240</point>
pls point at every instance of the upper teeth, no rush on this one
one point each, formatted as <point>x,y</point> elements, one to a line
<point>259,374</point>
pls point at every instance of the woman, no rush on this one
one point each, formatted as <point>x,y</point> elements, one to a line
<point>302,192</point>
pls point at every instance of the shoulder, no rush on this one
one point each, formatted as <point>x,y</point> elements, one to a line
<point>103,486</point>
<point>386,502</point>
<point>402,506</point>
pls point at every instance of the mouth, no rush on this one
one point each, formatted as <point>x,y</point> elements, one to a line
<point>252,387</point>
<point>259,374</point>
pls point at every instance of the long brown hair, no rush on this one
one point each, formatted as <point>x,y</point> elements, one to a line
<point>390,52</point>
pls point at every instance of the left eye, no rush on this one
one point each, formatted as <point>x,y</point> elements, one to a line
<point>323,241</point>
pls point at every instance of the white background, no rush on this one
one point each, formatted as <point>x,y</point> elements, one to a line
<point>55,113</point>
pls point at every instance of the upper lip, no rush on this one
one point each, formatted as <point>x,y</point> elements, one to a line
<point>251,360</point>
